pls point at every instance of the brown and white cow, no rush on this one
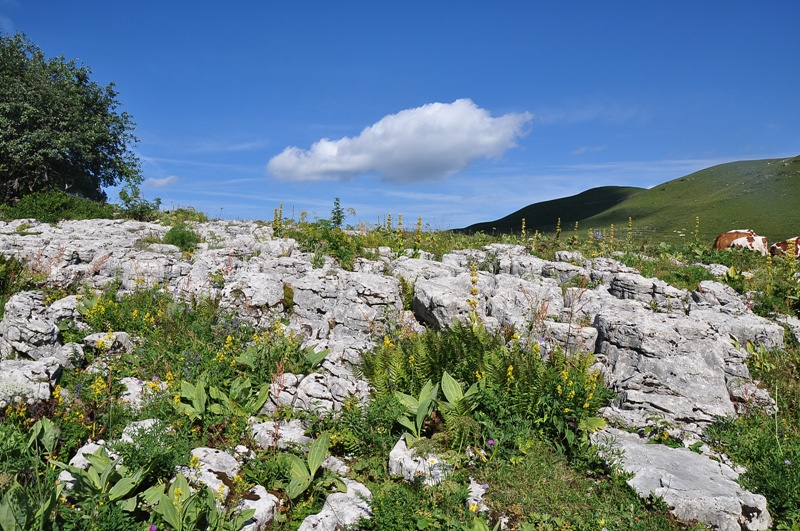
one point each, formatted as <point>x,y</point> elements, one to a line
<point>742,239</point>
<point>781,248</point>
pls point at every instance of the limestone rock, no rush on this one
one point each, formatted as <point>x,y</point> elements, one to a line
<point>694,486</point>
<point>341,509</point>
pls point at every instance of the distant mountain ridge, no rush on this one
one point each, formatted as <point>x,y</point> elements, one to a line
<point>763,195</point>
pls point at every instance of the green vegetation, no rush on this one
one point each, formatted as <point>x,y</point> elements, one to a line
<point>58,129</point>
<point>183,237</point>
<point>489,404</point>
<point>763,195</point>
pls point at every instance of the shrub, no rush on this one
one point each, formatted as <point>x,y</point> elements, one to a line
<point>183,237</point>
<point>52,206</point>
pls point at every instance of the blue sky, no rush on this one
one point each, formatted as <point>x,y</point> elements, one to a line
<point>456,111</point>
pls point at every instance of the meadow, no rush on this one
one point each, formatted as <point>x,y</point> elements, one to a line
<point>483,402</point>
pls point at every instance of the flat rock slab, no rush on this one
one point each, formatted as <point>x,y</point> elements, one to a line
<point>694,486</point>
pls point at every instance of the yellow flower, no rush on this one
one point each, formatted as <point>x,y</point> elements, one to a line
<point>473,507</point>
<point>566,410</point>
<point>411,359</point>
<point>194,462</point>
<point>558,389</point>
<point>387,343</point>
<point>176,399</point>
<point>564,375</point>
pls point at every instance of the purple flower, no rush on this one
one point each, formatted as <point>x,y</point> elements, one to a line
<point>787,462</point>
<point>485,486</point>
<point>490,442</point>
<point>153,527</point>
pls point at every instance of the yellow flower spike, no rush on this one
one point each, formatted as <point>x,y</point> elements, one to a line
<point>473,507</point>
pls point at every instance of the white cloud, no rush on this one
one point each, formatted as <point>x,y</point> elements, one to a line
<point>420,144</point>
<point>161,183</point>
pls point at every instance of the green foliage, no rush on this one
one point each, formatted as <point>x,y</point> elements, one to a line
<point>107,480</point>
<point>337,214</point>
<point>14,277</point>
<point>417,409</point>
<point>181,216</point>
<point>183,237</point>
<point>304,473</point>
<point>52,206</point>
<point>770,450</point>
<point>58,129</point>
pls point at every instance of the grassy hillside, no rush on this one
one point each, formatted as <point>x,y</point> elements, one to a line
<point>544,216</point>
<point>763,195</point>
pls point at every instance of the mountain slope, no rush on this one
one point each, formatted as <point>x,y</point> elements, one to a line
<point>763,195</point>
<point>544,216</point>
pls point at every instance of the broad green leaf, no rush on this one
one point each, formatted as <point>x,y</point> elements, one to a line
<point>592,424</point>
<point>297,467</point>
<point>199,398</point>
<point>297,486</point>
<point>14,509</point>
<point>129,504</point>
<point>187,390</point>
<point>406,422</point>
<point>411,403</point>
<point>341,486</point>
<point>255,405</point>
<point>179,490</point>
<point>314,358</point>
<point>452,390</point>
<point>168,511</point>
<point>122,488</point>
<point>318,452</point>
<point>423,411</point>
<point>216,409</point>
<point>94,477</point>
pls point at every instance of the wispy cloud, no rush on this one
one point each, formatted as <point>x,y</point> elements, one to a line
<point>229,147</point>
<point>421,144</point>
<point>587,149</point>
<point>161,183</point>
<point>608,113</point>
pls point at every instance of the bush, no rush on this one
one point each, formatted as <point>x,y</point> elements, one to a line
<point>51,207</point>
<point>183,237</point>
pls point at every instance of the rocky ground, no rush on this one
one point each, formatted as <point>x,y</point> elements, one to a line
<point>669,354</point>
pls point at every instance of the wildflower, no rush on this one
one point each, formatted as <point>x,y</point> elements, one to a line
<point>485,486</point>
<point>176,399</point>
<point>490,442</point>
<point>586,405</point>
<point>178,493</point>
<point>566,410</point>
<point>564,375</point>
<point>558,389</point>
<point>510,373</point>
<point>387,343</point>
<point>432,460</point>
<point>153,527</point>
<point>411,359</point>
<point>194,462</point>
<point>473,507</point>
<point>515,336</point>
<point>787,462</point>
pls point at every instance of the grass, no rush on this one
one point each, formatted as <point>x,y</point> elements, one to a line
<point>500,416</point>
<point>737,195</point>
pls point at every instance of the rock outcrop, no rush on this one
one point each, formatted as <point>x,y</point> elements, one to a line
<point>667,353</point>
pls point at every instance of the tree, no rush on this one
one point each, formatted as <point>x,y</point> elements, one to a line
<point>58,129</point>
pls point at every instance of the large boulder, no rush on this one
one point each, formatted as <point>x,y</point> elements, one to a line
<point>694,486</point>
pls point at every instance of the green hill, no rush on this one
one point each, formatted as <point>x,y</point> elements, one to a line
<point>763,195</point>
<point>544,216</point>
